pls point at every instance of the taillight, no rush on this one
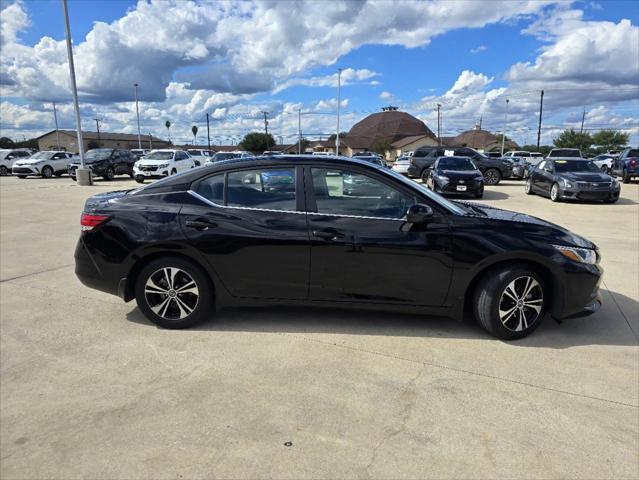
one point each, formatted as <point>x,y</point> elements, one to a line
<point>89,221</point>
<point>633,162</point>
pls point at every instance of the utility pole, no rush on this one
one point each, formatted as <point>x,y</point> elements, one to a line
<point>541,110</point>
<point>208,133</point>
<point>97,127</point>
<point>339,91</point>
<point>439,125</point>
<point>57,132</point>
<point>137,112</point>
<point>503,135</point>
<point>265,123</point>
<point>150,141</point>
<point>299,129</point>
<point>83,174</point>
<point>583,118</point>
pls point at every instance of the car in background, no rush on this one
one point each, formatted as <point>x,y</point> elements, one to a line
<point>199,152</point>
<point>521,167</point>
<point>604,161</point>
<point>43,164</point>
<point>401,164</point>
<point>105,163</point>
<point>572,179</point>
<point>626,165</point>
<point>493,154</point>
<point>374,159</point>
<point>565,153</point>
<point>139,152</point>
<point>187,246</point>
<point>270,153</point>
<point>493,169</point>
<point>516,153</point>
<point>322,153</point>
<point>456,176</point>
<point>9,156</point>
<point>162,163</point>
<point>219,156</point>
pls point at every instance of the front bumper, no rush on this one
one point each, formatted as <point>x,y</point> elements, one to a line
<point>590,194</point>
<point>457,188</point>
<point>25,170</point>
<point>575,288</point>
<point>150,172</point>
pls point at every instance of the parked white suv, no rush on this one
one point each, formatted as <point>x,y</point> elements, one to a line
<point>162,163</point>
<point>9,156</point>
<point>44,164</point>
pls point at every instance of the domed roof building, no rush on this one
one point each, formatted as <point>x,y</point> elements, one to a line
<point>481,140</point>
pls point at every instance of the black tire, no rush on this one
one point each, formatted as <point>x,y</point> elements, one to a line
<point>47,172</point>
<point>490,296</point>
<point>492,176</point>
<point>528,187</point>
<point>22,177</point>
<point>3,170</point>
<point>173,172</point>
<point>202,305</point>
<point>109,174</point>
<point>605,169</point>
<point>554,193</point>
<point>479,194</point>
<point>139,180</point>
<point>58,174</point>
<point>74,178</point>
<point>625,178</point>
<point>424,175</point>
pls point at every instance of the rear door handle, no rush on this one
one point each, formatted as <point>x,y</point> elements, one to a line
<point>328,234</point>
<point>200,224</point>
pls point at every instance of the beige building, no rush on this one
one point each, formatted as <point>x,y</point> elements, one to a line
<point>481,140</point>
<point>410,144</point>
<point>67,140</point>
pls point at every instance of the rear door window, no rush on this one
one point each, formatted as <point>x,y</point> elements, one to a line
<point>270,189</point>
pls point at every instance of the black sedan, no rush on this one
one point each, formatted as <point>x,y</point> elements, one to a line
<point>568,179</point>
<point>456,175</point>
<point>105,163</point>
<point>188,245</point>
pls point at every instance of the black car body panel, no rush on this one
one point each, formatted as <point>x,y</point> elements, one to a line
<point>588,185</point>
<point>626,165</point>
<point>444,178</point>
<point>264,256</point>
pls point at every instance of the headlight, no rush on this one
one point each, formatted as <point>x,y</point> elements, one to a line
<point>445,179</point>
<point>615,183</point>
<point>566,183</point>
<point>581,255</point>
<point>163,165</point>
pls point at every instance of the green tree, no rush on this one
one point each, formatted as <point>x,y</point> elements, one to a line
<point>572,139</point>
<point>6,142</point>
<point>610,139</point>
<point>381,146</point>
<point>257,142</point>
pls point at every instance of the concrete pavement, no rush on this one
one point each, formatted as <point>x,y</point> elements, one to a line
<point>89,388</point>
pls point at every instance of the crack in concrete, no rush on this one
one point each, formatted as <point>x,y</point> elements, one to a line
<point>37,273</point>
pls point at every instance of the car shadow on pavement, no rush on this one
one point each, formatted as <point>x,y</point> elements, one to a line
<point>606,327</point>
<point>493,195</point>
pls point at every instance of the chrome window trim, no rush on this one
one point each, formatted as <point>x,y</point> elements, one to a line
<point>213,204</point>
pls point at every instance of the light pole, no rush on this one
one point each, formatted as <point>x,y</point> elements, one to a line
<point>83,174</point>
<point>137,112</point>
<point>503,135</point>
<point>57,132</point>
<point>339,91</point>
<point>439,125</point>
<point>299,130</point>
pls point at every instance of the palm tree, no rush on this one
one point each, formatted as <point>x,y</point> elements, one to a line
<point>194,130</point>
<point>167,124</point>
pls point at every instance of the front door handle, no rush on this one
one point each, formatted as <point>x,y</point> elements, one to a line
<point>200,224</point>
<point>328,234</point>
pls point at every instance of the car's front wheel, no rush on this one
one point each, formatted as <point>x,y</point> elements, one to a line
<point>109,174</point>
<point>492,176</point>
<point>174,293</point>
<point>3,170</point>
<point>528,187</point>
<point>554,193</point>
<point>510,301</point>
<point>47,172</point>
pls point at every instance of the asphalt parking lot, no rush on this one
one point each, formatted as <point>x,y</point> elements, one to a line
<point>89,388</point>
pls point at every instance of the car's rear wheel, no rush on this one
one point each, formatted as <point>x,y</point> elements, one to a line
<point>554,193</point>
<point>174,293</point>
<point>492,176</point>
<point>510,302</point>
<point>47,172</point>
<point>528,187</point>
<point>625,176</point>
<point>109,174</point>
<point>425,175</point>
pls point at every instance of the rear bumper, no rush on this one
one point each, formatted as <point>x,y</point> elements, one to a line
<point>88,272</point>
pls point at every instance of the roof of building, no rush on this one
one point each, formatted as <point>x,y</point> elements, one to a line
<point>388,125</point>
<point>402,142</point>
<point>86,135</point>
<point>481,139</point>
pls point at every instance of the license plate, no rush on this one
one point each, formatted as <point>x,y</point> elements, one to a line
<point>461,188</point>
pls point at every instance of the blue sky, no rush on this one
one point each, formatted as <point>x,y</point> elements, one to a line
<point>235,60</point>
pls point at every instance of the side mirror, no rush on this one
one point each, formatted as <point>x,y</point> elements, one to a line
<point>418,213</point>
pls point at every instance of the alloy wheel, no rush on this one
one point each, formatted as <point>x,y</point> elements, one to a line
<point>491,177</point>
<point>554,192</point>
<point>47,172</point>
<point>3,170</point>
<point>521,304</point>
<point>171,293</point>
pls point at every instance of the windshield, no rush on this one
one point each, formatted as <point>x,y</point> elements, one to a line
<point>41,156</point>
<point>575,166</point>
<point>565,152</point>
<point>456,164</point>
<point>159,156</point>
<point>225,156</point>
<point>450,206</point>
<point>97,154</point>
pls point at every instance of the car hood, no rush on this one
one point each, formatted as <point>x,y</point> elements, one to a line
<point>542,229</point>
<point>461,174</point>
<point>146,162</point>
<point>585,176</point>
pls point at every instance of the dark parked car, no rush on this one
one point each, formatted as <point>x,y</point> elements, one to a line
<point>626,165</point>
<point>493,154</point>
<point>105,163</point>
<point>493,169</point>
<point>521,167</point>
<point>576,179</point>
<point>456,175</point>
<point>193,243</point>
